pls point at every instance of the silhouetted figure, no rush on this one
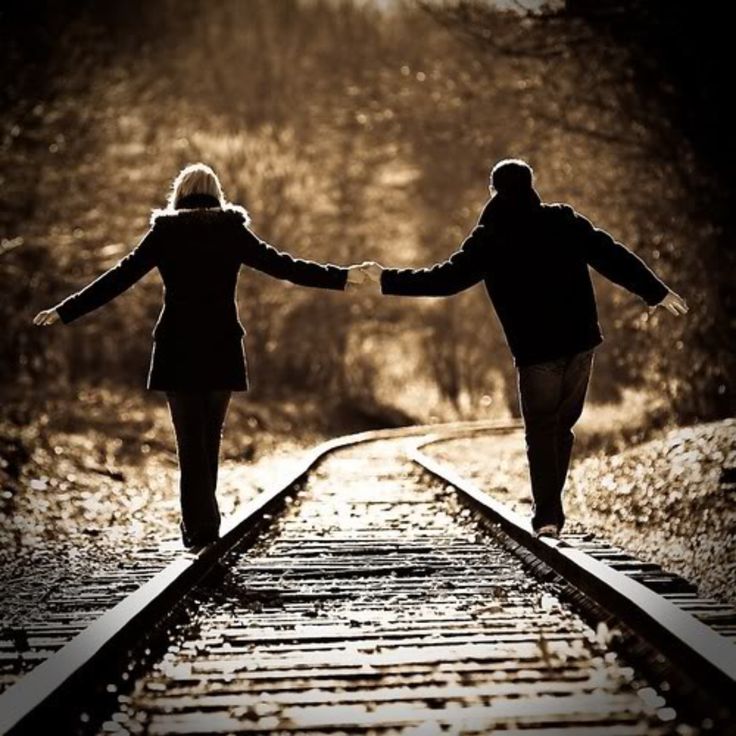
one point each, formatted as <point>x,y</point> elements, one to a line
<point>534,260</point>
<point>198,243</point>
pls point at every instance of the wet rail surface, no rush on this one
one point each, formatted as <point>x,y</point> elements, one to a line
<point>378,603</point>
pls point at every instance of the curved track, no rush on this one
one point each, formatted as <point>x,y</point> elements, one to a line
<point>376,591</point>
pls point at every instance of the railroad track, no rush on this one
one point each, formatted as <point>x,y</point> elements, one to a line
<point>378,592</point>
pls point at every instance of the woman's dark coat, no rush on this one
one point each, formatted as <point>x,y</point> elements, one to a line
<point>198,252</point>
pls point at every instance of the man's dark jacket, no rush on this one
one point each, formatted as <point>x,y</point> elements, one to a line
<point>199,253</point>
<point>534,260</point>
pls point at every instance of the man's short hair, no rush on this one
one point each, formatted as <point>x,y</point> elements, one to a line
<point>512,175</point>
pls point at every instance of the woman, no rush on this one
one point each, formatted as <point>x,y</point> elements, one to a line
<point>198,243</point>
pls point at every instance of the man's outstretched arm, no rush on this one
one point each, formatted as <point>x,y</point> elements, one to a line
<point>464,268</point>
<point>618,264</point>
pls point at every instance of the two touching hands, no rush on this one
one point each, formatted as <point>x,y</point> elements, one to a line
<point>366,275</point>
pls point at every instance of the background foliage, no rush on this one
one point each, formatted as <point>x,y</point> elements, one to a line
<point>352,131</point>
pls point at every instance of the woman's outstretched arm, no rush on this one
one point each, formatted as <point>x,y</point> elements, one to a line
<point>112,283</point>
<point>264,257</point>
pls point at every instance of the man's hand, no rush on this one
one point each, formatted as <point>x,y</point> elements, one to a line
<point>46,317</point>
<point>373,271</point>
<point>674,303</point>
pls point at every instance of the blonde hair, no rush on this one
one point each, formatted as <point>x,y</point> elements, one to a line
<point>195,179</point>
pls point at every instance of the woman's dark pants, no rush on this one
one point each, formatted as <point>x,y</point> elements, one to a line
<point>198,418</point>
<point>552,396</point>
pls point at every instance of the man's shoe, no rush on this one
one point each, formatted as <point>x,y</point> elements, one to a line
<point>548,530</point>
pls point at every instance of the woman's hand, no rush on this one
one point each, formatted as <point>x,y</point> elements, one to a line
<point>674,303</point>
<point>364,275</point>
<point>46,317</point>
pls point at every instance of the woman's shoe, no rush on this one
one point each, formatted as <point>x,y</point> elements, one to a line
<point>548,530</point>
<point>195,543</point>
<point>200,539</point>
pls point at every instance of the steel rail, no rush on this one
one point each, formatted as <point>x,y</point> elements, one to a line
<point>32,699</point>
<point>692,646</point>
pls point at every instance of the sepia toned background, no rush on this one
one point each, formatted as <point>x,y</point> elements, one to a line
<point>350,131</point>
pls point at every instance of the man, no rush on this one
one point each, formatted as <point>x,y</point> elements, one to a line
<point>534,260</point>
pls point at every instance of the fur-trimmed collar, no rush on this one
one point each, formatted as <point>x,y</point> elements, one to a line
<point>169,213</point>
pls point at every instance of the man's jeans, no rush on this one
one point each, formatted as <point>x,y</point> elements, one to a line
<point>198,417</point>
<point>552,397</point>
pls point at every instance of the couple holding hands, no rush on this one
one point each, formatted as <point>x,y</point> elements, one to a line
<point>533,258</point>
